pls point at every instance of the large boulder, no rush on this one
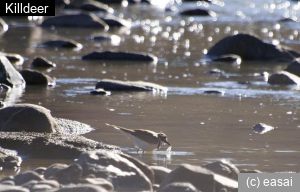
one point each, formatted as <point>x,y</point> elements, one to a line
<point>201,178</point>
<point>82,188</point>
<point>62,43</point>
<point>82,20</point>
<point>8,74</point>
<point>122,173</point>
<point>115,85</point>
<point>160,173</point>
<point>113,21</point>
<point>198,12</point>
<point>294,67</point>
<point>223,168</point>
<point>33,77</point>
<point>120,56</point>
<point>28,118</point>
<point>249,47</point>
<point>55,145</point>
<point>180,187</point>
<point>284,78</point>
<point>13,58</point>
<point>9,159</point>
<point>42,62</point>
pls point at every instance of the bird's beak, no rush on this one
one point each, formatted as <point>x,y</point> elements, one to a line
<point>167,142</point>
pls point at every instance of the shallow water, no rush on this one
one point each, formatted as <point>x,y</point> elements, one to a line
<point>201,127</point>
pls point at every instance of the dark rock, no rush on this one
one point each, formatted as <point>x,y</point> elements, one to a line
<point>28,118</point>
<point>62,43</point>
<point>198,12</point>
<point>215,92</point>
<point>180,187</point>
<point>52,183</point>
<point>109,55</point>
<point>25,177</point>
<point>42,62</point>
<point>13,58</point>
<point>3,25</point>
<point>40,170</point>
<point>294,67</point>
<point>110,1</point>
<point>53,169</point>
<point>71,174</point>
<point>215,71</point>
<point>82,188</point>
<point>95,6</point>
<point>228,58</point>
<point>75,20</point>
<point>36,78</point>
<point>8,74</point>
<point>113,21</point>
<point>142,166</point>
<point>9,159</point>
<point>285,20</point>
<point>262,128</point>
<point>99,92</point>
<point>160,173</point>
<point>8,188</point>
<point>121,172</point>
<point>199,177</point>
<point>249,47</point>
<point>45,145</point>
<point>284,78</point>
<point>99,182</point>
<point>62,2</point>
<point>223,168</point>
<point>115,85</point>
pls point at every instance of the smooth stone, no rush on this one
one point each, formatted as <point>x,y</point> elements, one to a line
<point>199,177</point>
<point>262,128</point>
<point>284,78</point>
<point>82,20</point>
<point>294,67</point>
<point>73,127</point>
<point>180,187</point>
<point>52,183</point>
<point>9,159</point>
<point>50,145</point>
<point>70,174</point>
<point>25,177</point>
<point>62,43</point>
<point>229,58</point>
<point>214,92</point>
<point>122,173</point>
<point>113,21</point>
<point>100,182</point>
<point>285,20</point>
<point>53,169</point>
<point>198,12</point>
<point>40,170</point>
<point>95,6</point>
<point>9,75</point>
<point>42,62</point>
<point>11,183</point>
<point>223,168</point>
<point>82,188</point>
<point>33,77</point>
<point>99,92</point>
<point>215,72</point>
<point>27,118</point>
<point>13,58</point>
<point>160,173</point>
<point>115,85</point>
<point>110,1</point>
<point>250,171</point>
<point>3,25</point>
<point>249,47</point>
<point>8,188</point>
<point>120,56</point>
<point>222,183</point>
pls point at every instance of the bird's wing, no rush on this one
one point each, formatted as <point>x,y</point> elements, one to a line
<point>146,135</point>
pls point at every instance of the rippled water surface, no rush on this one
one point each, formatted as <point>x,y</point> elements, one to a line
<point>201,127</point>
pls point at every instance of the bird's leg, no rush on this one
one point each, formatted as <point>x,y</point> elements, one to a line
<point>143,151</point>
<point>137,151</point>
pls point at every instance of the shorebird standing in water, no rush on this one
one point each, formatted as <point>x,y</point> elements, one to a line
<point>144,140</point>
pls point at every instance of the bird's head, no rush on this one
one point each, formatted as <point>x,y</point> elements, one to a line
<point>163,138</point>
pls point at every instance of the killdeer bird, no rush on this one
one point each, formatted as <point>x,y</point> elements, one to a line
<point>144,140</point>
